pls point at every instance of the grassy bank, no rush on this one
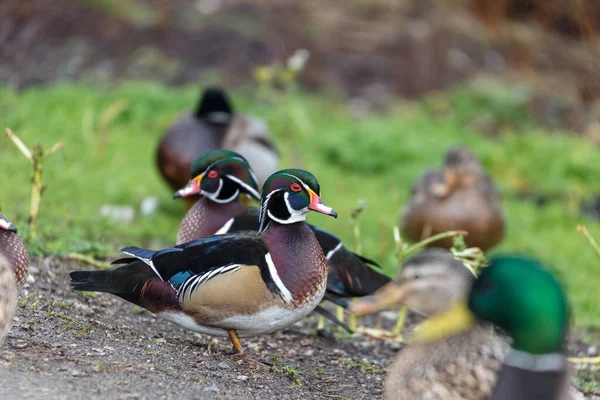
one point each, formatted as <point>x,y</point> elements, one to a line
<point>110,137</point>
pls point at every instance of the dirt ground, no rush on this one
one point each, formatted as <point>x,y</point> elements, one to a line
<point>64,345</point>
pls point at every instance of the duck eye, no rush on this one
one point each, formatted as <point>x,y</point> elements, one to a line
<point>213,174</point>
<point>296,187</point>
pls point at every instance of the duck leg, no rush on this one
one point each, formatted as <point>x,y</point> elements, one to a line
<point>235,340</point>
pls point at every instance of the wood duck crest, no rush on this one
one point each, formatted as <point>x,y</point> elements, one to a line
<point>246,282</point>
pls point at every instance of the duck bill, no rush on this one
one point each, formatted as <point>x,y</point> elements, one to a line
<point>4,224</point>
<point>458,318</point>
<point>192,188</point>
<point>317,204</point>
<point>387,297</point>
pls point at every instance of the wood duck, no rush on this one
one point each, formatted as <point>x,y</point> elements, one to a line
<point>219,177</point>
<point>14,250</point>
<point>461,366</point>
<point>460,196</point>
<point>213,125</point>
<point>525,300</point>
<point>8,297</point>
<point>238,284</point>
<point>427,284</point>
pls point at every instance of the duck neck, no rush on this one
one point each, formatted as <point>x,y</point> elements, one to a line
<point>297,258</point>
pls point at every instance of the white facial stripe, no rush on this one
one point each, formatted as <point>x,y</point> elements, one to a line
<point>233,197</point>
<point>298,179</point>
<point>225,228</point>
<point>532,362</point>
<point>285,293</point>
<point>213,196</point>
<point>330,253</point>
<point>249,188</point>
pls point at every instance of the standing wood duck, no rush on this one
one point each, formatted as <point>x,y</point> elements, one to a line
<point>526,301</point>
<point>213,125</point>
<point>8,297</point>
<point>12,247</point>
<point>460,196</point>
<point>239,284</point>
<point>219,177</point>
<point>463,366</point>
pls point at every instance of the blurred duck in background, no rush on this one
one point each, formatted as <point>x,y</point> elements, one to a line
<point>214,125</point>
<point>8,297</point>
<point>459,196</point>
<point>220,177</point>
<point>13,249</point>
<point>459,356</point>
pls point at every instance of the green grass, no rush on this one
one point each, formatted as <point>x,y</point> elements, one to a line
<point>374,158</point>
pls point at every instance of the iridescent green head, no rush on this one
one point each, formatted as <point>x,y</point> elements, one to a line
<point>526,300</point>
<point>220,175</point>
<point>517,295</point>
<point>288,195</point>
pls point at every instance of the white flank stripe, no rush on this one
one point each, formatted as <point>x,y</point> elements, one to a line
<point>225,228</point>
<point>330,253</point>
<point>285,293</point>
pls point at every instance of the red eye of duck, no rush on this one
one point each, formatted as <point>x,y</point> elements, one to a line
<point>213,174</point>
<point>296,187</point>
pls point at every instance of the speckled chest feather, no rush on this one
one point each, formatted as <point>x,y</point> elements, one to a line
<point>299,260</point>
<point>206,217</point>
<point>12,247</point>
<point>8,297</point>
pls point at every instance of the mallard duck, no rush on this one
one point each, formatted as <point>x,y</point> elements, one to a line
<point>213,126</point>
<point>8,297</point>
<point>525,300</point>
<point>239,284</point>
<point>463,366</point>
<point>220,177</point>
<point>460,196</point>
<point>470,360</point>
<point>12,247</point>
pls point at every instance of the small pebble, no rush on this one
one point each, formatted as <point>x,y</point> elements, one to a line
<point>224,365</point>
<point>242,378</point>
<point>211,388</point>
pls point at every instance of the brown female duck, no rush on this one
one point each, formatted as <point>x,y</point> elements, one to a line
<point>460,196</point>
<point>213,125</point>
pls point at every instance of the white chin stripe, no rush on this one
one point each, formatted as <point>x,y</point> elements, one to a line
<point>285,293</point>
<point>539,363</point>
<point>225,228</point>
<point>290,220</point>
<point>213,196</point>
